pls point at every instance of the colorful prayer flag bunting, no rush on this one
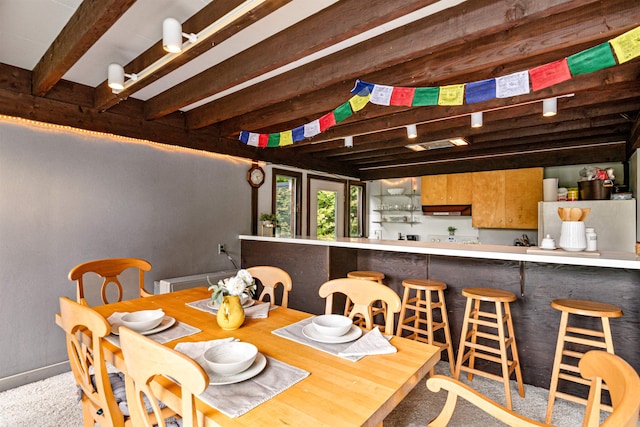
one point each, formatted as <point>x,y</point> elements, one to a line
<point>626,47</point>
<point>549,74</point>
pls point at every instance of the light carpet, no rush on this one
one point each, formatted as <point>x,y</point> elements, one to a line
<point>53,403</point>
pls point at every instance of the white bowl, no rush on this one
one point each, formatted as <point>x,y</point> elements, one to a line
<point>143,320</point>
<point>230,358</point>
<point>332,325</point>
<point>395,191</point>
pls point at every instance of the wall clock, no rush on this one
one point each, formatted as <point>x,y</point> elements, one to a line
<point>255,176</point>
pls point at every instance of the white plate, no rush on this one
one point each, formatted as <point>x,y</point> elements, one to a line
<point>166,323</point>
<point>256,367</point>
<point>216,306</point>
<point>312,333</point>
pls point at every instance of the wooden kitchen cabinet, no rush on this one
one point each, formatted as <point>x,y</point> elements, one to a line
<point>507,198</point>
<point>451,189</point>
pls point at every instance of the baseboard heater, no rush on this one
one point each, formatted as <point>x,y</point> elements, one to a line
<point>179,283</point>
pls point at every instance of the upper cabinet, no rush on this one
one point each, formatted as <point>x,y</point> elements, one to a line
<point>507,198</point>
<point>452,189</point>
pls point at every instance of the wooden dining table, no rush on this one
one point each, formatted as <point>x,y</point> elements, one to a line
<point>338,392</point>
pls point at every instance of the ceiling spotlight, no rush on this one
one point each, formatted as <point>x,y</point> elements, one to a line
<point>116,77</point>
<point>458,141</point>
<point>549,107</point>
<point>172,36</point>
<point>348,141</point>
<point>476,119</point>
<point>412,131</point>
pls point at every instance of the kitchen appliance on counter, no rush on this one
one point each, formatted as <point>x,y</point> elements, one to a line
<point>438,238</point>
<point>615,221</point>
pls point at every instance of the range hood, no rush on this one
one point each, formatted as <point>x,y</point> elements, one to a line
<point>447,210</point>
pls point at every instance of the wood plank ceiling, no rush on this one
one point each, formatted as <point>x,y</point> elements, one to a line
<point>468,41</point>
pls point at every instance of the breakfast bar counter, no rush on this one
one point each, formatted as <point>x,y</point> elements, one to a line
<point>535,276</point>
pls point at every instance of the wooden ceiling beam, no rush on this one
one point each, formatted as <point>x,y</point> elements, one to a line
<point>89,22</point>
<point>449,27</point>
<point>105,98</point>
<point>302,39</point>
<point>558,156</point>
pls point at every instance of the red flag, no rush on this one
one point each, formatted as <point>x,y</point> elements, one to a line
<point>327,121</point>
<point>402,96</point>
<point>263,139</point>
<point>549,74</point>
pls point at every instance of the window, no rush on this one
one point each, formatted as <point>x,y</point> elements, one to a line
<point>286,195</point>
<point>357,209</point>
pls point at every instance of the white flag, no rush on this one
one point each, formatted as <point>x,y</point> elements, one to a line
<point>512,85</point>
<point>253,139</point>
<point>381,95</point>
<point>312,129</point>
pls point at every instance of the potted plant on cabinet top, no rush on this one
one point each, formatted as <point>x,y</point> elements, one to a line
<point>452,230</point>
<point>268,219</point>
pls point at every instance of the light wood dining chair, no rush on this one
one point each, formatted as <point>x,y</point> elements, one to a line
<point>109,269</point>
<point>145,360</point>
<point>362,294</point>
<point>271,277</point>
<point>87,363</point>
<point>622,379</point>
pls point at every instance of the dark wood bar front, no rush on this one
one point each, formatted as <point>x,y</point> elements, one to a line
<point>535,283</point>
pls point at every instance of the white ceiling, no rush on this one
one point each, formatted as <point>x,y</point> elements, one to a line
<point>28,27</point>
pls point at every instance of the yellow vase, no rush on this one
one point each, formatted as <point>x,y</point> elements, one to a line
<point>230,313</point>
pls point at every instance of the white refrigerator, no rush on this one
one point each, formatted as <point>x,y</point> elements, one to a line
<point>614,222</point>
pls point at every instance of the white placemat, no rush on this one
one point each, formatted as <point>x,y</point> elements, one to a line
<point>294,332</point>
<point>178,330</point>
<point>259,310</point>
<point>237,399</point>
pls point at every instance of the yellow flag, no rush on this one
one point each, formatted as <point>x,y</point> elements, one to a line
<point>286,138</point>
<point>451,95</point>
<point>358,102</point>
<point>627,45</point>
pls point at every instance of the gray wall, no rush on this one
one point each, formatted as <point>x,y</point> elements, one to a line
<point>67,197</point>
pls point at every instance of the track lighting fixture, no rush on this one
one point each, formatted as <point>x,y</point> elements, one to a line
<point>412,131</point>
<point>348,141</point>
<point>116,77</point>
<point>549,107</point>
<point>476,119</point>
<point>172,36</point>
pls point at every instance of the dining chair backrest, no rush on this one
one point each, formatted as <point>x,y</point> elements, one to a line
<point>110,270</point>
<point>87,363</point>
<point>271,277</point>
<point>362,294</point>
<point>620,377</point>
<point>145,360</point>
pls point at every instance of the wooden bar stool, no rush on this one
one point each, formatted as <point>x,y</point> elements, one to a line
<point>374,276</point>
<point>422,305</point>
<point>581,340</point>
<point>469,337</point>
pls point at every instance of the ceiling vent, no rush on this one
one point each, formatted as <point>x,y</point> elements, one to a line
<point>441,143</point>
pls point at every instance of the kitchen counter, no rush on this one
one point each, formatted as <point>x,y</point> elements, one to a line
<point>497,252</point>
<point>535,278</point>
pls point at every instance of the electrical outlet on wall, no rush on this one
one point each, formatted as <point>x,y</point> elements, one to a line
<point>220,248</point>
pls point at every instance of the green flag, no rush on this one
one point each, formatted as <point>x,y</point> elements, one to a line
<point>590,60</point>
<point>425,96</point>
